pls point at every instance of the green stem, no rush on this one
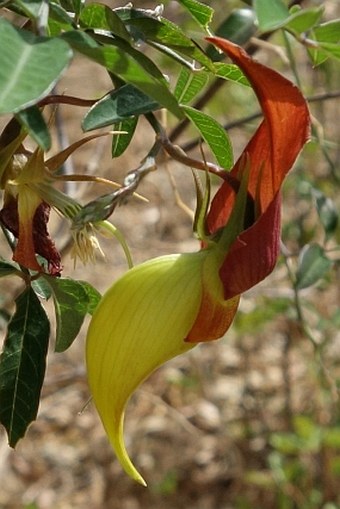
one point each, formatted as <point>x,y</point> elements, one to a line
<point>113,230</point>
<point>291,59</point>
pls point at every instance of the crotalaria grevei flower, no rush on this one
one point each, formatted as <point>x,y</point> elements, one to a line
<point>164,307</point>
<point>28,182</point>
<point>25,213</point>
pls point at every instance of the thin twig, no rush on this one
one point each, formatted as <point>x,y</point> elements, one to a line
<point>66,99</point>
<point>179,155</point>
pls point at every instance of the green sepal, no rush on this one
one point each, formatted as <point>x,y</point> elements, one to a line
<point>203,201</point>
<point>238,215</point>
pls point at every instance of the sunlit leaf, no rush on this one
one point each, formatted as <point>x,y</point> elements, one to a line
<point>201,13</point>
<point>230,72</point>
<point>270,14</point>
<point>304,19</point>
<point>169,35</point>
<point>330,49</point>
<point>30,67</point>
<point>326,33</point>
<point>214,135</point>
<point>22,365</point>
<point>189,85</point>
<point>95,15</point>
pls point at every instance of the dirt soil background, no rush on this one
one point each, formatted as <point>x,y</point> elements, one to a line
<point>201,423</point>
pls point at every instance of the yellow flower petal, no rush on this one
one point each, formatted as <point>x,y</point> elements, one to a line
<point>141,322</point>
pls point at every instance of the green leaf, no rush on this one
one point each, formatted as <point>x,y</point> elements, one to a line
<point>100,16</point>
<point>214,135</point>
<point>8,268</point>
<point>34,123</point>
<point>78,6</point>
<point>238,27</point>
<point>120,104</point>
<point>304,19</point>
<point>327,212</point>
<point>41,288</point>
<point>328,32</point>
<point>93,296</point>
<point>30,67</point>
<point>75,6</point>
<point>202,13</point>
<point>325,33</point>
<point>60,15</point>
<point>118,61</point>
<point>36,9</point>
<point>120,142</point>
<point>330,49</point>
<point>71,303</point>
<point>312,266</point>
<point>270,14</point>
<point>167,34</point>
<point>189,85</point>
<point>22,365</point>
<point>231,72</point>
